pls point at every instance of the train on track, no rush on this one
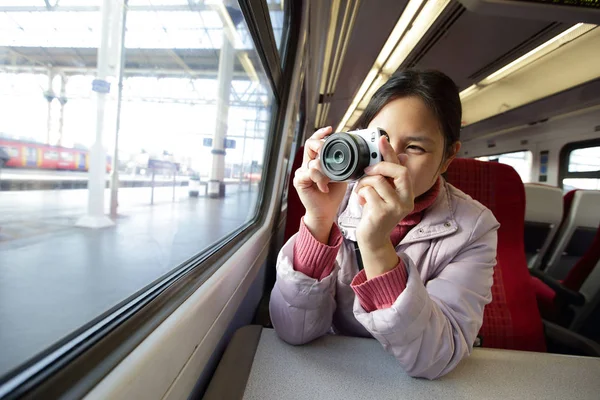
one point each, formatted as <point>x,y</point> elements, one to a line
<point>33,155</point>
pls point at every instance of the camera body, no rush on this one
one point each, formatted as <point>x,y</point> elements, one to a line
<point>345,155</point>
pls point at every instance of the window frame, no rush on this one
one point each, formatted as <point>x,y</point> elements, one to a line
<point>563,164</point>
<point>259,24</point>
<point>285,44</point>
<point>75,364</point>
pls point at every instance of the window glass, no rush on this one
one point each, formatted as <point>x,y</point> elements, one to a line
<point>520,161</point>
<point>12,151</point>
<point>51,155</point>
<point>278,15</point>
<point>581,183</point>
<point>193,125</point>
<point>582,162</point>
<point>66,156</point>
<point>585,160</point>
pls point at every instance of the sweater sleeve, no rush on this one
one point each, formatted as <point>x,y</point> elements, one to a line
<point>313,258</point>
<point>381,291</point>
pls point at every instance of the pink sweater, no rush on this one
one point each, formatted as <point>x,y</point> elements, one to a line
<point>317,260</point>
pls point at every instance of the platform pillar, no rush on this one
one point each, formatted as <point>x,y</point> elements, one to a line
<point>50,96</point>
<point>216,182</point>
<point>62,99</point>
<point>120,67</point>
<point>112,15</point>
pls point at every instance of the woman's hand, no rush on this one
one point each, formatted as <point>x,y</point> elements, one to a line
<point>386,194</point>
<point>318,194</point>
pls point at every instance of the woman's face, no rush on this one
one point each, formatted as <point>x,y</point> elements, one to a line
<point>414,131</point>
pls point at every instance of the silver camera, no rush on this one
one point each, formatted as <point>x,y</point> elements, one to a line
<point>345,155</point>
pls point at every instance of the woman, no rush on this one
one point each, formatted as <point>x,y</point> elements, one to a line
<point>428,250</point>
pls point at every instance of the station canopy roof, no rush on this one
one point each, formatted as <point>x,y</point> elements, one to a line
<point>163,37</point>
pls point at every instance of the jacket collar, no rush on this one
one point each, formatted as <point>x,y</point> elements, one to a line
<point>437,221</point>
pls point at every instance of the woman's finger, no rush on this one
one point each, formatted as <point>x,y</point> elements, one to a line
<point>371,197</point>
<point>382,186</point>
<point>321,133</point>
<point>387,151</point>
<point>321,180</point>
<point>314,164</point>
<point>314,143</point>
<point>387,169</point>
<point>311,150</point>
<point>398,174</point>
<point>307,178</point>
<point>302,179</point>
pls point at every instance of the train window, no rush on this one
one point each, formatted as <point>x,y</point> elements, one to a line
<point>520,161</point>
<point>581,183</point>
<point>12,151</point>
<point>585,160</point>
<point>66,156</point>
<point>51,155</point>
<point>580,165</point>
<point>194,127</point>
<point>278,13</point>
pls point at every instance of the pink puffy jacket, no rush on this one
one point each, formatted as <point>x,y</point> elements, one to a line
<point>433,324</point>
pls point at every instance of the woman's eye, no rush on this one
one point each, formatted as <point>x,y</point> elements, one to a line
<point>415,149</point>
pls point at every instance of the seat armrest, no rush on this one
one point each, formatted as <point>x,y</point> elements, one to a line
<point>563,293</point>
<point>570,339</point>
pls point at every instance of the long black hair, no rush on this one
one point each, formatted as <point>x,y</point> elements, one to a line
<point>434,88</point>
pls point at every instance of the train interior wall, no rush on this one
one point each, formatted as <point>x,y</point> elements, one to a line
<point>550,136</point>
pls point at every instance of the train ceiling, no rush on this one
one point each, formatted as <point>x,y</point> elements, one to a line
<point>467,46</point>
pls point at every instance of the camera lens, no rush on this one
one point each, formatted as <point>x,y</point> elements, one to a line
<point>338,157</point>
<point>344,156</point>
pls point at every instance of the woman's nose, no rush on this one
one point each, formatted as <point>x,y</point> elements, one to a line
<point>402,158</point>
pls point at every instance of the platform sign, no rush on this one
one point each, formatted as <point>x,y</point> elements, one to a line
<point>160,164</point>
<point>229,143</point>
<point>100,86</point>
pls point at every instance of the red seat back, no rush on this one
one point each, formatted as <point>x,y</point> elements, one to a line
<point>295,210</point>
<point>512,319</point>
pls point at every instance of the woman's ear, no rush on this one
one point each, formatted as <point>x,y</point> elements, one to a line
<point>453,152</point>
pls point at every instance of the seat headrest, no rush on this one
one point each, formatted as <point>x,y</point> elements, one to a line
<point>495,185</point>
<point>543,203</point>
<point>585,208</point>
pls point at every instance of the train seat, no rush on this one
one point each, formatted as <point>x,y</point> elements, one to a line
<point>587,318</point>
<point>512,320</point>
<point>575,234</point>
<point>569,301</point>
<point>543,215</point>
<point>567,201</point>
